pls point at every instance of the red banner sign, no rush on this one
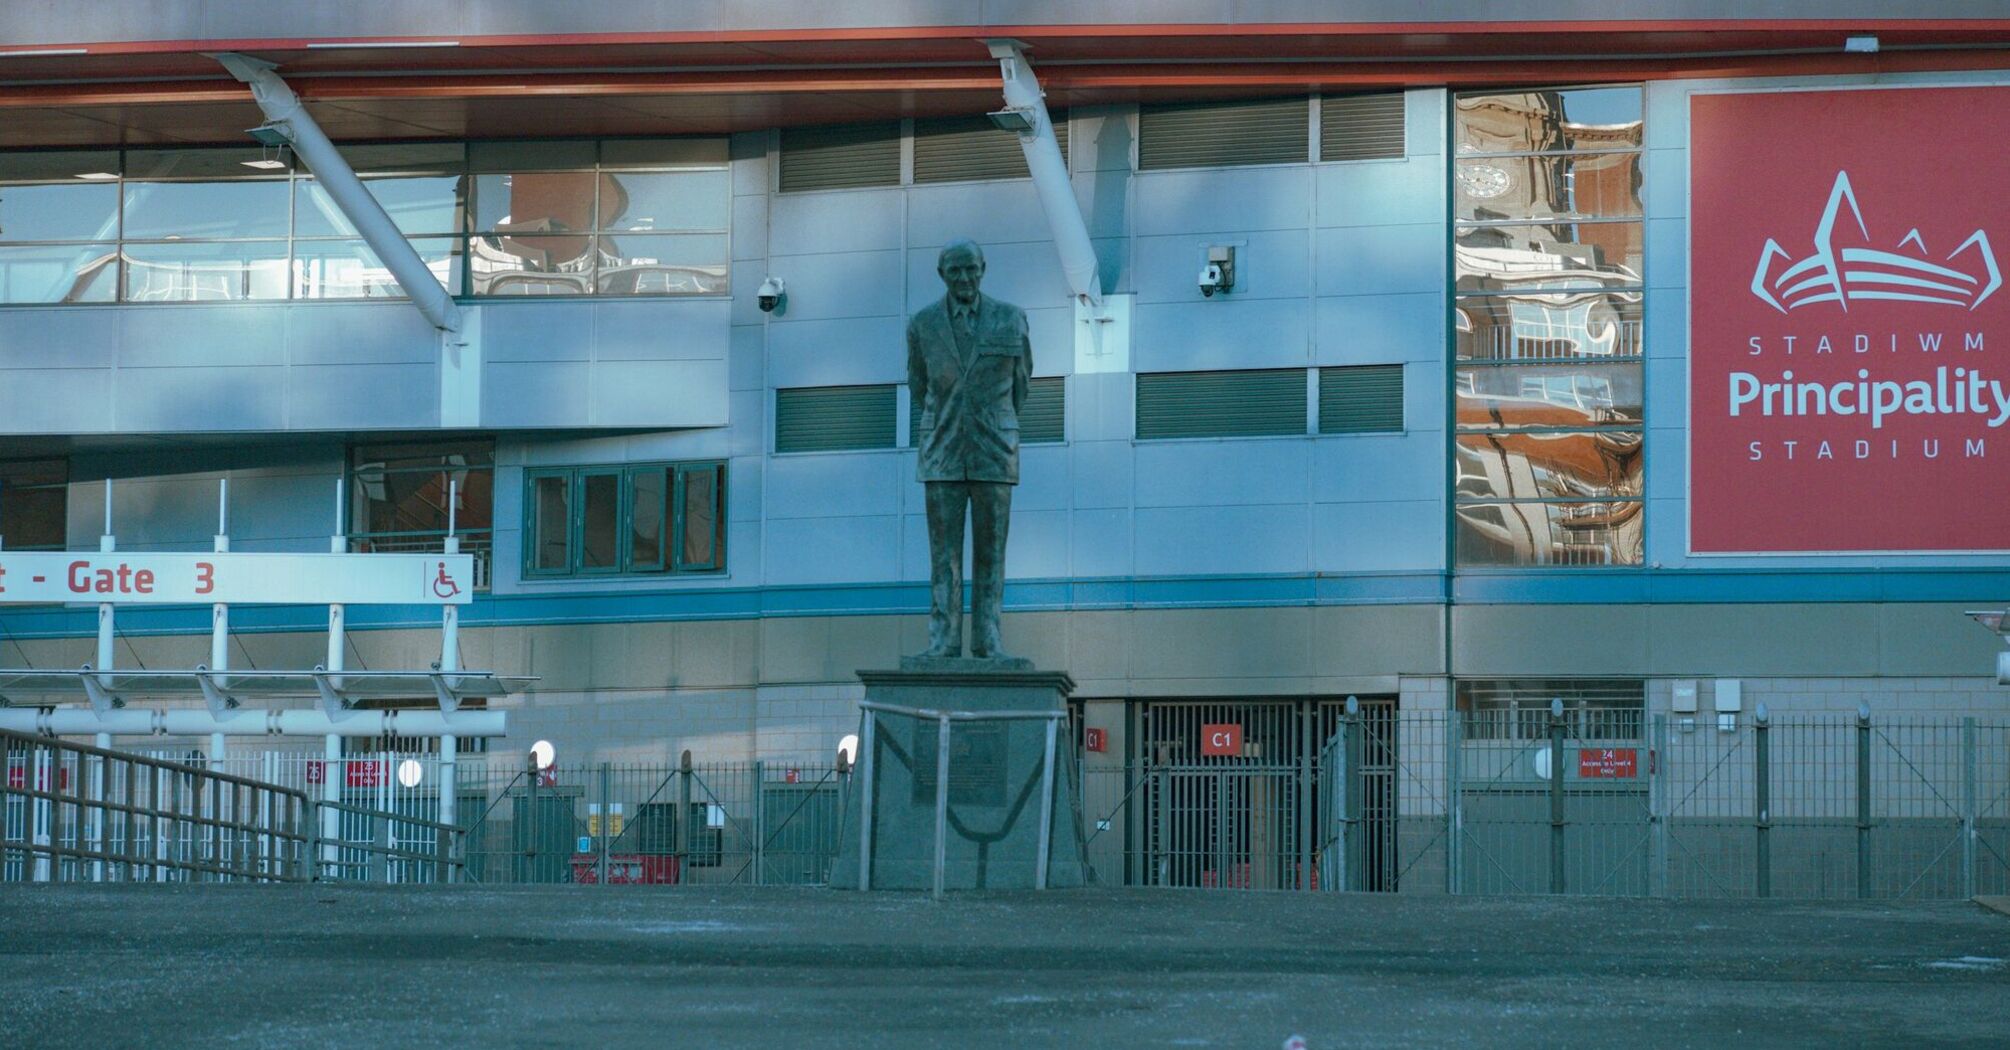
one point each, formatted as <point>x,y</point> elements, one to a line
<point>1220,738</point>
<point>1849,328</point>
<point>1096,740</point>
<point>1608,763</point>
<point>367,774</point>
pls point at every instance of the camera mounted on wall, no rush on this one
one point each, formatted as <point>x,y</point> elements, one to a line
<point>1219,273</point>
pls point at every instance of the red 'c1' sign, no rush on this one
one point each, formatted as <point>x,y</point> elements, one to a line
<point>1097,740</point>
<point>1608,763</point>
<point>1221,738</point>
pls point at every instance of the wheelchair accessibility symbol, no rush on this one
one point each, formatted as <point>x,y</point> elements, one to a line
<point>444,585</point>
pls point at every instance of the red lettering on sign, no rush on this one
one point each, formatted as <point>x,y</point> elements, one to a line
<point>205,577</point>
<point>366,774</point>
<point>1221,738</point>
<point>1608,763</point>
<point>317,772</point>
<point>1097,740</point>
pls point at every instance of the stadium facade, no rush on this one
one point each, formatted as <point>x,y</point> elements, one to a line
<point>1533,373</point>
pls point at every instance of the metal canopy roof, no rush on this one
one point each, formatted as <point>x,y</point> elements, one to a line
<point>168,91</point>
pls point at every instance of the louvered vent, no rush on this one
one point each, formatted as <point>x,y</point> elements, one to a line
<point>1221,404</point>
<point>960,149</point>
<point>1365,399</point>
<point>839,157</point>
<point>1214,134</point>
<point>830,418</point>
<point>1042,420</point>
<point>1361,127</point>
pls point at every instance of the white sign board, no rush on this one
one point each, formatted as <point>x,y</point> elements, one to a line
<point>146,578</point>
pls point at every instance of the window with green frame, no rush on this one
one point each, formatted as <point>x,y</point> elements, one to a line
<point>625,519</point>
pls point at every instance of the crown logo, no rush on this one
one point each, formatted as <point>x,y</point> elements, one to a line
<point>1906,274</point>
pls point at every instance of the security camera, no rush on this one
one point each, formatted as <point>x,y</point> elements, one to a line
<point>1210,279</point>
<point>770,295</point>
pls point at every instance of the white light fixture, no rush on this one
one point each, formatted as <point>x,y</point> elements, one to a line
<point>38,52</point>
<point>1997,620</point>
<point>848,747</point>
<point>97,176</point>
<point>542,754</point>
<point>347,44</point>
<point>1012,118</point>
<point>1861,45</point>
<point>410,772</point>
<point>264,164</point>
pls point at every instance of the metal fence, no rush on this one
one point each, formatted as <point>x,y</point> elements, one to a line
<point>1456,802</point>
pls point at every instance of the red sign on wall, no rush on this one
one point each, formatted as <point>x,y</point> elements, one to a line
<point>1849,331</point>
<point>1608,763</point>
<point>367,774</point>
<point>1097,740</point>
<point>1221,738</point>
<point>17,777</point>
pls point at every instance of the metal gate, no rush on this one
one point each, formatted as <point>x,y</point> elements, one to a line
<point>1227,794</point>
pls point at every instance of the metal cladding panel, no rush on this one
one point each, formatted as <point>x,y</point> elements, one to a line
<point>1243,403</point>
<point>1361,127</point>
<point>829,418</point>
<point>1361,400</point>
<point>1215,134</point>
<point>961,149</point>
<point>832,158</point>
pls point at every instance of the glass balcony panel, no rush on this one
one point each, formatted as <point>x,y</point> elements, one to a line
<point>186,272</point>
<point>662,264</point>
<point>512,265</point>
<point>350,270</point>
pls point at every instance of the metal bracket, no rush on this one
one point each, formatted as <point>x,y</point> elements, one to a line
<point>218,700</point>
<point>101,698</point>
<point>449,700</point>
<point>333,703</point>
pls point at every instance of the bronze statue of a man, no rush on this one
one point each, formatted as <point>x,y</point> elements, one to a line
<point>968,363</point>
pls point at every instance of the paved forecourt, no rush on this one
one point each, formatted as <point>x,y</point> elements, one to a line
<point>566,966</point>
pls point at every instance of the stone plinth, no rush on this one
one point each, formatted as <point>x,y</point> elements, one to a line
<point>995,777</point>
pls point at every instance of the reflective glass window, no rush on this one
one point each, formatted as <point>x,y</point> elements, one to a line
<point>1598,464</point>
<point>666,200</point>
<point>1493,397</point>
<point>1594,185</point>
<point>1538,325</point>
<point>417,204</point>
<point>34,504</point>
<point>510,264</point>
<point>648,514</point>
<point>648,519</point>
<point>1571,119</point>
<point>1550,256</point>
<point>551,523</point>
<point>399,497</point>
<point>599,521</point>
<point>661,264</point>
<point>1550,533</point>
<point>59,273</point>
<point>190,211</point>
<point>534,202</point>
<point>700,517</point>
<point>73,211</point>
<point>350,270</point>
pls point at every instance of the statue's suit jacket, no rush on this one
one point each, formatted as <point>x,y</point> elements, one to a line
<point>968,392</point>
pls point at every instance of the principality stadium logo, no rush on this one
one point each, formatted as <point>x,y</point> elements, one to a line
<point>1966,277</point>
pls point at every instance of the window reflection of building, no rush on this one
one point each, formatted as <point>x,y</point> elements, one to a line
<point>1547,316</point>
<point>399,498</point>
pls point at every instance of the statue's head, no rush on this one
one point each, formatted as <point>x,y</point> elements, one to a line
<point>961,267</point>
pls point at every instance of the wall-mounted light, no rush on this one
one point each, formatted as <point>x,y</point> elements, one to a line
<point>1013,119</point>
<point>1861,45</point>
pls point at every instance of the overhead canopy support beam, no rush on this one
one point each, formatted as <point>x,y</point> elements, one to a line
<point>1028,104</point>
<point>285,115</point>
<point>77,721</point>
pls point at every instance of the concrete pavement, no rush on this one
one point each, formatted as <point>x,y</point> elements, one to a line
<point>575,966</point>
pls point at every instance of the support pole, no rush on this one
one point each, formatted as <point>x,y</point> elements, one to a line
<point>1556,821</point>
<point>1455,807</point>
<point>284,114</point>
<point>1046,808</point>
<point>450,660</point>
<point>1658,814</point>
<point>332,773</point>
<point>107,649</point>
<point>1968,793</point>
<point>1049,171</point>
<point>941,799</point>
<point>1863,801</point>
<point>1762,794</point>
<point>865,772</point>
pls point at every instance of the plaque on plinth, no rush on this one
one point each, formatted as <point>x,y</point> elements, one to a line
<point>999,792</point>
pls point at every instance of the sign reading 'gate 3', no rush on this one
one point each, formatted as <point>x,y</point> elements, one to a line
<point>236,578</point>
<point>1849,332</point>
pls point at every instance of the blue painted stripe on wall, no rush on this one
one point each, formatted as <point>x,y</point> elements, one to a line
<point>1516,587</point>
